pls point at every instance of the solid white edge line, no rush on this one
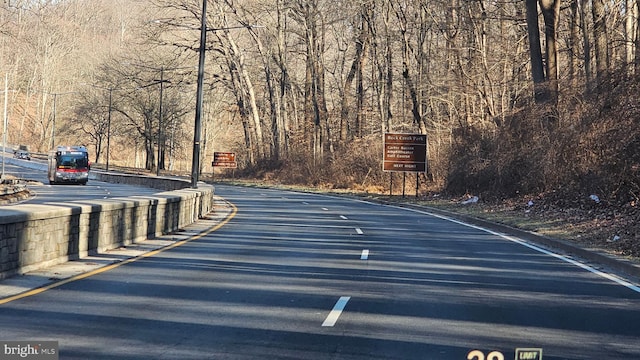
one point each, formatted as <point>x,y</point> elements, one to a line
<point>333,316</point>
<point>607,276</point>
<point>365,254</point>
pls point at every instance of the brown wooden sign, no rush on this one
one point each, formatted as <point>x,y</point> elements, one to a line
<point>405,152</point>
<point>224,159</point>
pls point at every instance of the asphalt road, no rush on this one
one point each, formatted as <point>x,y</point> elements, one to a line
<point>45,193</point>
<point>301,276</point>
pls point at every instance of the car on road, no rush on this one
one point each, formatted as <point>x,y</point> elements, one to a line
<point>22,154</point>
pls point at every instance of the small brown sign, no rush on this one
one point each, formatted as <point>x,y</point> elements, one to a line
<point>405,152</point>
<point>224,159</point>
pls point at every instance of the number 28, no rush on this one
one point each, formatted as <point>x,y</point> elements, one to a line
<point>479,355</point>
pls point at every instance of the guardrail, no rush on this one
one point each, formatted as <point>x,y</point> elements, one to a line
<point>36,236</point>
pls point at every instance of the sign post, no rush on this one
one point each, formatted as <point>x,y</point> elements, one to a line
<point>405,153</point>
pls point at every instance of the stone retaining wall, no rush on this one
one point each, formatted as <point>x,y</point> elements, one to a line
<point>155,182</point>
<point>37,236</point>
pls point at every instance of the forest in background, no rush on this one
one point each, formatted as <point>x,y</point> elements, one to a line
<point>516,96</point>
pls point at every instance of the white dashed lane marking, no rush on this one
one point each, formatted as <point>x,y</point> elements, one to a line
<point>336,312</point>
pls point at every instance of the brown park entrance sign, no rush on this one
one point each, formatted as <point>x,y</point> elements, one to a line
<point>224,159</point>
<point>405,152</point>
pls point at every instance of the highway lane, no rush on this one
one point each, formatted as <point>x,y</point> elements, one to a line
<point>301,276</point>
<point>45,193</point>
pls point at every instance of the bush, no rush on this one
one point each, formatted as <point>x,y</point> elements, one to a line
<point>587,145</point>
<point>356,166</point>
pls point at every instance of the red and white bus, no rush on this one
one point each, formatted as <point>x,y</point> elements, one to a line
<point>69,164</point>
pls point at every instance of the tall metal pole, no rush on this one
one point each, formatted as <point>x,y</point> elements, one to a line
<point>109,128</point>
<point>4,133</point>
<point>160,121</point>
<point>195,165</point>
<point>53,127</point>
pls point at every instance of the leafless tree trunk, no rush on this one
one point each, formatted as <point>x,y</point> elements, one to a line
<point>585,41</point>
<point>237,86</point>
<point>315,111</point>
<point>550,13</point>
<point>636,40</point>
<point>250,97</point>
<point>407,74</point>
<point>631,19</point>
<point>574,41</point>
<point>600,35</point>
<point>541,92</point>
<point>382,64</point>
<point>281,133</point>
<point>355,72</point>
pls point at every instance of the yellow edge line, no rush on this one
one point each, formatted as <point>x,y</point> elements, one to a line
<point>234,211</point>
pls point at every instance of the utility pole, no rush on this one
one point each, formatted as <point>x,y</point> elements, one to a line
<point>195,164</point>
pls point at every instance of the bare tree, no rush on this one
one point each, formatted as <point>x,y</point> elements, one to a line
<point>361,44</point>
<point>308,15</point>
<point>407,73</point>
<point>535,52</point>
<point>630,31</point>
<point>550,13</point>
<point>600,35</point>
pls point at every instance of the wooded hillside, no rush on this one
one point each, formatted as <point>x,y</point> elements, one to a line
<point>516,97</point>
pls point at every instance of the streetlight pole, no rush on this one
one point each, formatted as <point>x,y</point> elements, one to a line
<point>109,128</point>
<point>4,132</point>
<point>53,126</point>
<point>160,123</point>
<point>195,165</point>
